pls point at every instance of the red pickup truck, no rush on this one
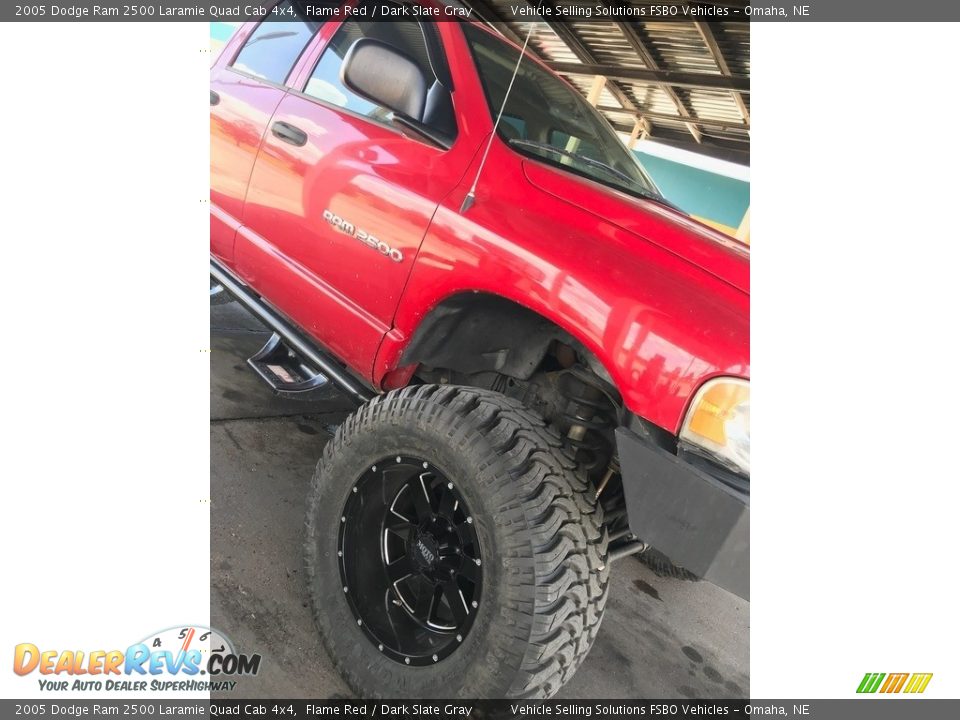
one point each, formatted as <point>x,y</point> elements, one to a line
<point>552,373</point>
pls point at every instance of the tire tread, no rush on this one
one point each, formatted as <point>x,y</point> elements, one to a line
<point>547,506</point>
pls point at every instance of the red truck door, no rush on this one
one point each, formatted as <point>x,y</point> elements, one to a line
<point>341,196</point>
<point>246,85</point>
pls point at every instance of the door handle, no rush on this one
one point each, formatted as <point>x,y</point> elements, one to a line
<point>214,98</point>
<point>289,134</point>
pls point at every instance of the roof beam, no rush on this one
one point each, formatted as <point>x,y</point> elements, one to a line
<point>570,39</point>
<point>640,48</point>
<point>719,124</point>
<point>704,81</point>
<point>635,134</point>
<point>596,88</point>
<point>711,42</point>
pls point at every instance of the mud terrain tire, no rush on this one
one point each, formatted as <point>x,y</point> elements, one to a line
<point>540,533</point>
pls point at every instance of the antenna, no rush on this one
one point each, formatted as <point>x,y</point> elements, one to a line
<point>472,195</point>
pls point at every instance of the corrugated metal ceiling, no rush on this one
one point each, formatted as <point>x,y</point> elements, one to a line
<point>683,82</point>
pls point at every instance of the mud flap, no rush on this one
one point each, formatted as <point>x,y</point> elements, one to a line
<point>695,519</point>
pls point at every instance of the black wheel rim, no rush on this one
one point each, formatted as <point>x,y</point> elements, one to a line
<point>410,560</point>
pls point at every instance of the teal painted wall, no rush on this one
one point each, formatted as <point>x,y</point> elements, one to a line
<point>220,34</point>
<point>222,31</point>
<point>699,192</point>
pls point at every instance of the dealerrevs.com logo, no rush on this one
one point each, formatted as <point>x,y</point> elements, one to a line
<point>910,683</point>
<point>182,658</point>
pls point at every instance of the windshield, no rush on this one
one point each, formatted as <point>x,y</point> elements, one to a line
<point>546,118</point>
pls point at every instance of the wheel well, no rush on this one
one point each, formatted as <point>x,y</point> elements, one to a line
<point>483,340</point>
<point>486,341</point>
<point>479,332</point>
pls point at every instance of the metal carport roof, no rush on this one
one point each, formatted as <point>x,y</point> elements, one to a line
<point>683,82</point>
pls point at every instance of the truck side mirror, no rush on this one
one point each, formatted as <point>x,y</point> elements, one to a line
<point>385,76</point>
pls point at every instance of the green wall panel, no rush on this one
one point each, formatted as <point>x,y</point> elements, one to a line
<point>699,192</point>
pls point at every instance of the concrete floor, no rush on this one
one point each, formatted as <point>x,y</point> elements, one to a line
<point>660,638</point>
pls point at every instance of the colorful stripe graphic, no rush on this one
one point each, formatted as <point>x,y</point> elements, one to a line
<point>918,683</point>
<point>870,683</point>
<point>894,682</point>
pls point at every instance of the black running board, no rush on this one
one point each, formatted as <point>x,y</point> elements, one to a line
<point>290,361</point>
<point>288,374</point>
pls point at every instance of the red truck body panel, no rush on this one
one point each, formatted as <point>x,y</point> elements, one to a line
<point>661,300</point>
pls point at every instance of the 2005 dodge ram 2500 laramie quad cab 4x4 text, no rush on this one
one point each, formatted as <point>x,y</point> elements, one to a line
<point>551,362</point>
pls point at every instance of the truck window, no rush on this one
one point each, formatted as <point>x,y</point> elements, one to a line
<point>273,48</point>
<point>551,121</point>
<point>407,37</point>
<point>513,126</point>
<point>584,146</point>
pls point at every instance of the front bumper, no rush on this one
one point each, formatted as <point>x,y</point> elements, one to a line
<point>692,517</point>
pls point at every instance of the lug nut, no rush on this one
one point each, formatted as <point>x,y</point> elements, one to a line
<point>435,658</point>
<point>474,603</point>
<point>407,660</point>
<point>380,647</point>
<point>459,638</point>
<point>425,466</point>
<point>450,486</point>
<point>469,521</point>
<point>398,458</point>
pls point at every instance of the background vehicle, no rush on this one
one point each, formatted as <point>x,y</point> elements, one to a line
<point>552,376</point>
